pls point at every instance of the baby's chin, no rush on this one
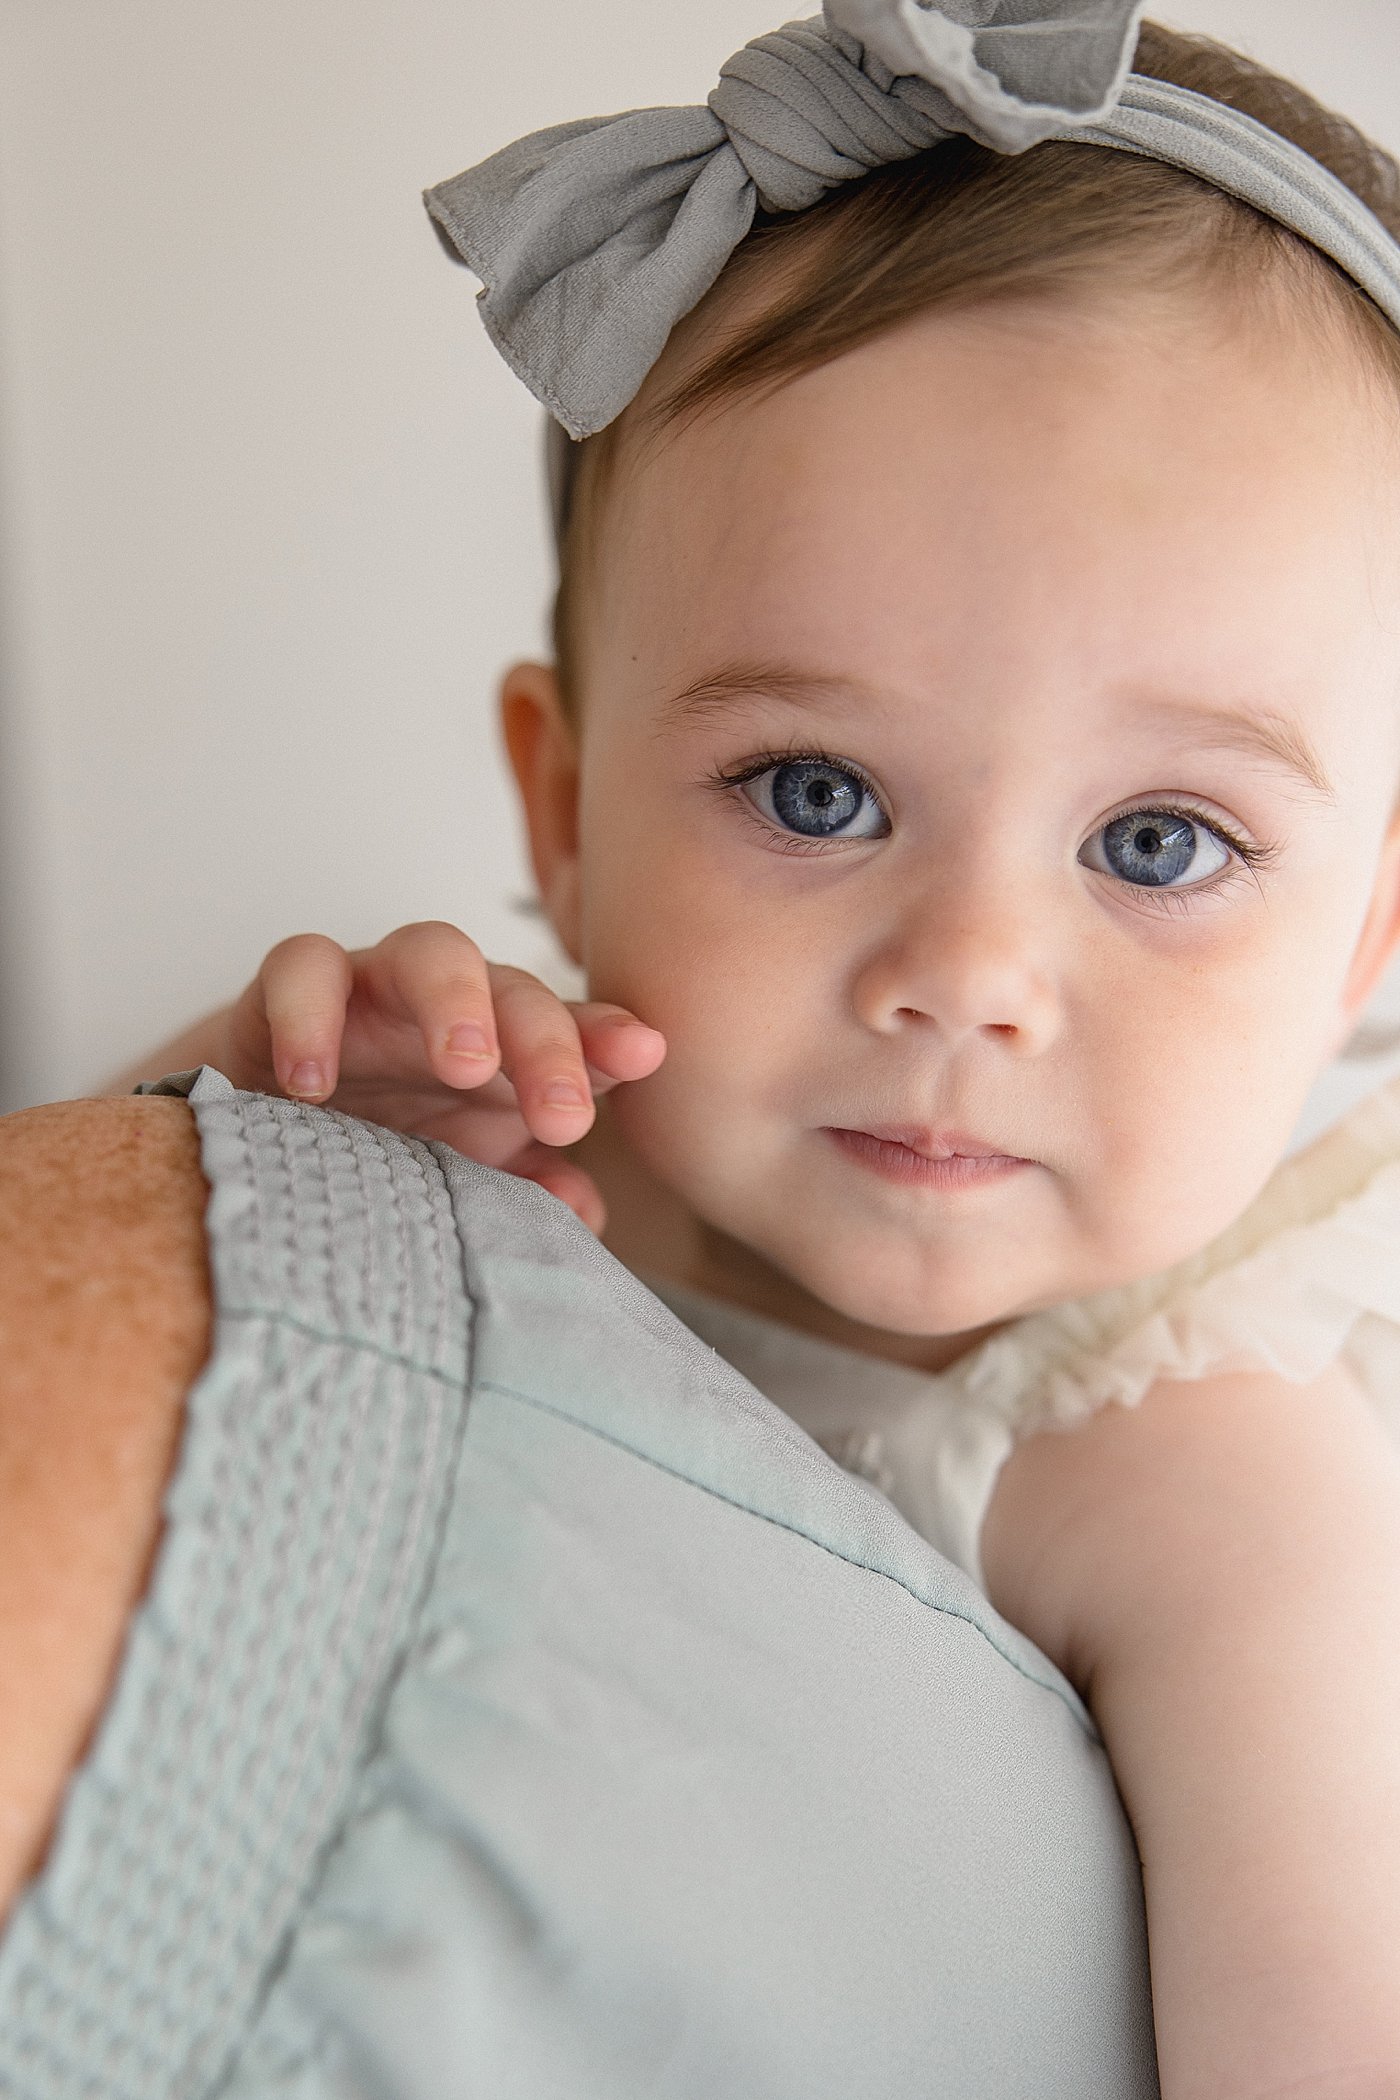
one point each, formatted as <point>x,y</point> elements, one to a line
<point>886,1282</point>
<point>947,1299</point>
<point>781,1241</point>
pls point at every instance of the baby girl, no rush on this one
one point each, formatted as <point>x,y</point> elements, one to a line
<point>968,779</point>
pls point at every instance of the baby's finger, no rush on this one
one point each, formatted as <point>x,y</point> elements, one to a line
<point>304,985</point>
<point>541,1056</point>
<point>433,974</point>
<point>616,1045</point>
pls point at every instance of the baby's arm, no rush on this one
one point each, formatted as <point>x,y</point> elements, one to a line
<point>1218,1571</point>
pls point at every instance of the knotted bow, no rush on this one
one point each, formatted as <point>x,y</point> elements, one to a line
<point>593,238</point>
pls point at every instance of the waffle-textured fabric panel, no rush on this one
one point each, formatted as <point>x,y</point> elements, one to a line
<point>524,1707</point>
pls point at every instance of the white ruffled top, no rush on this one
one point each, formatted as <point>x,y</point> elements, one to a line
<point>1308,1274</point>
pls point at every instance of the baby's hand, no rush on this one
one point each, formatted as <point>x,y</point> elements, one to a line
<point>423,1034</point>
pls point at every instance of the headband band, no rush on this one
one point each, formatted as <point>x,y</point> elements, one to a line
<point>592,239</point>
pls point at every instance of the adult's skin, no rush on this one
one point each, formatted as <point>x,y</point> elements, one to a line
<point>105,1319</point>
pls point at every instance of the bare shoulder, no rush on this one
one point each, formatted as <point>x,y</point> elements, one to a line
<point>101,1207</point>
<point>1205,1486</point>
<point>104,1325</point>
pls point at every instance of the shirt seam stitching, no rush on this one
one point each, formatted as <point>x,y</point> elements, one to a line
<point>950,1611</point>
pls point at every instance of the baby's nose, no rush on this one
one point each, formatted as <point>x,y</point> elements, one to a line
<point>963,965</point>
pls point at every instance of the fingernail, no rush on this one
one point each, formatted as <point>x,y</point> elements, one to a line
<point>624,1022</point>
<point>308,1078</point>
<point>467,1040</point>
<point>562,1093</point>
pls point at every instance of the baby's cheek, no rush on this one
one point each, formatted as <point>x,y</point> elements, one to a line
<point>689,1114</point>
<point>677,936</point>
<point>743,1054</point>
<point>1200,1075</point>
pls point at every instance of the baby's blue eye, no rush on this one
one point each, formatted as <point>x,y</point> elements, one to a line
<point>1157,849</point>
<point>816,799</point>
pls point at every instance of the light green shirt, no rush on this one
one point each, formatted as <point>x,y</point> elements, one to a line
<point>524,1707</point>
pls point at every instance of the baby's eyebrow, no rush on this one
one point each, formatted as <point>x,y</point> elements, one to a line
<point>1264,735</point>
<point>726,691</point>
<point>738,685</point>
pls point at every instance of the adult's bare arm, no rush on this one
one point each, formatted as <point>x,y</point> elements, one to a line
<point>105,1316</point>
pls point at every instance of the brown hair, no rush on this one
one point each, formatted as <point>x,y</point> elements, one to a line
<point>960,224</point>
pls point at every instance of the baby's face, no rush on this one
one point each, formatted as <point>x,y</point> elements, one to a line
<point>1084,635</point>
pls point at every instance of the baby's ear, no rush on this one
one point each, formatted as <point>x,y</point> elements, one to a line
<point>543,751</point>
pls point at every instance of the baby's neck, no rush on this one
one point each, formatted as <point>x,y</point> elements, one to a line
<point>654,1232</point>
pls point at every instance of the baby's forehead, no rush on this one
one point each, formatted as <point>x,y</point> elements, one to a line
<point>1121,410</point>
<point>1023,502</point>
<point>1114,405</point>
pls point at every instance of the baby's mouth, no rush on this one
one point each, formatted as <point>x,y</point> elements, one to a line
<point>924,1157</point>
<point>931,1144</point>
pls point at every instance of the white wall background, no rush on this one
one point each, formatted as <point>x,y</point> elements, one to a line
<point>270,522</point>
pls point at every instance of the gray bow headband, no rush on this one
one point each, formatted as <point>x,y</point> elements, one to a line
<point>593,238</point>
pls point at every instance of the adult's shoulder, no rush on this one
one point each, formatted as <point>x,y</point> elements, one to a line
<point>104,1325</point>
